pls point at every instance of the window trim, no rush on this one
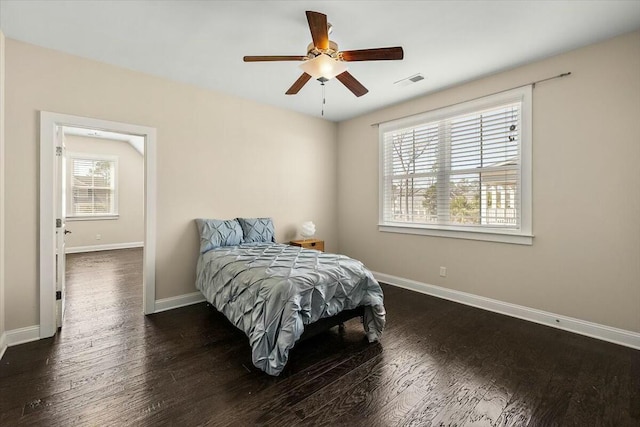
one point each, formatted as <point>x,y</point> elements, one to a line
<point>523,235</point>
<point>92,217</point>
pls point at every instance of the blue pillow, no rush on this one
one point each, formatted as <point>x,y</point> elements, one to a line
<point>257,230</point>
<point>215,233</point>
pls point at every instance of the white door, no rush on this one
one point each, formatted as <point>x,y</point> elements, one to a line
<point>61,231</point>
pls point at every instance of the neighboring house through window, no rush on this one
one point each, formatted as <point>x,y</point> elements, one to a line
<point>91,186</point>
<point>461,171</point>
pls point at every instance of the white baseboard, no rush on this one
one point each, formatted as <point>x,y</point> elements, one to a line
<point>106,247</point>
<point>3,344</point>
<point>165,304</point>
<point>582,327</point>
<point>22,335</point>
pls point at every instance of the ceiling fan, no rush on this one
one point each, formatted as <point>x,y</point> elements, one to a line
<point>324,61</point>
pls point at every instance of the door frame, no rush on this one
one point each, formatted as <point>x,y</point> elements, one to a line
<point>48,123</point>
<point>61,231</point>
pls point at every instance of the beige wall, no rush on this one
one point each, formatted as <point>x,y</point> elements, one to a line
<point>585,259</point>
<point>218,156</point>
<point>129,227</point>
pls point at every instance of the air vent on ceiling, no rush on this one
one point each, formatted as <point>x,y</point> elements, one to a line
<point>409,80</point>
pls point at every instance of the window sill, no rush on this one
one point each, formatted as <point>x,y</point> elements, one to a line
<point>488,235</point>
<point>92,218</point>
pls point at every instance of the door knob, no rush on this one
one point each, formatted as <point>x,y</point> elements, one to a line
<point>67,232</point>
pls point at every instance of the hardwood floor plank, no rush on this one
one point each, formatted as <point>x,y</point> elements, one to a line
<point>510,359</point>
<point>288,392</point>
<point>321,390</point>
<point>77,350</point>
<point>629,397</point>
<point>154,383</point>
<point>620,395</point>
<point>256,383</point>
<point>586,403</point>
<point>554,402</point>
<point>394,371</point>
<point>459,363</point>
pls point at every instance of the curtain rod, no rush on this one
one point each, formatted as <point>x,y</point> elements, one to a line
<point>533,85</point>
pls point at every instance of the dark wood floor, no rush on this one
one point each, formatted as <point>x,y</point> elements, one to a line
<point>439,363</point>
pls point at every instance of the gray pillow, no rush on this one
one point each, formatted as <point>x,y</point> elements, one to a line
<point>215,233</point>
<point>257,230</point>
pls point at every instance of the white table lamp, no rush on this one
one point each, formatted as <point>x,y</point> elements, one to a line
<point>307,229</point>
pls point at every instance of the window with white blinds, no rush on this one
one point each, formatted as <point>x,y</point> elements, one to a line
<point>461,171</point>
<point>91,186</point>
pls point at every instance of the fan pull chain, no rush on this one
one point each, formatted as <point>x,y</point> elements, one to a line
<point>323,98</point>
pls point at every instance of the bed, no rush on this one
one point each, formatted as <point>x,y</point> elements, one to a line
<point>274,292</point>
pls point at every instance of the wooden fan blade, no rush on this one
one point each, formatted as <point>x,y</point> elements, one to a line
<point>379,54</point>
<point>352,84</point>
<point>274,58</point>
<point>302,80</point>
<point>319,29</point>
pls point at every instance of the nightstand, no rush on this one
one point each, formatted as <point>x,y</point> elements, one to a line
<point>309,244</point>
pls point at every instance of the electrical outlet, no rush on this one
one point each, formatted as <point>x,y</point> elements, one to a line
<point>98,236</point>
<point>443,271</point>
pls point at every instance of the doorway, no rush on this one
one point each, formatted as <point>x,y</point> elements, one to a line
<point>52,220</point>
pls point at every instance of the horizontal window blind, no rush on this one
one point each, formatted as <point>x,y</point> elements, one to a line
<point>458,169</point>
<point>92,187</point>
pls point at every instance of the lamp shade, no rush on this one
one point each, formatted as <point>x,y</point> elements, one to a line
<point>323,66</point>
<point>308,229</point>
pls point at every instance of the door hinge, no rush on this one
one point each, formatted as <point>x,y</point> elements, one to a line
<point>58,222</point>
<point>58,295</point>
<point>58,151</point>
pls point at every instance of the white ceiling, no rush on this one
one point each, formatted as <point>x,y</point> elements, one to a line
<point>203,42</point>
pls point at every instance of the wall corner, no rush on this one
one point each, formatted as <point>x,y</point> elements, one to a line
<point>2,180</point>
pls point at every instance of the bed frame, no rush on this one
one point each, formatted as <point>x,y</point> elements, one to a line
<point>318,327</point>
<point>326,323</point>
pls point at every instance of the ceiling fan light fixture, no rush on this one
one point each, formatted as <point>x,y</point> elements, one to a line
<point>325,61</point>
<point>323,66</point>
